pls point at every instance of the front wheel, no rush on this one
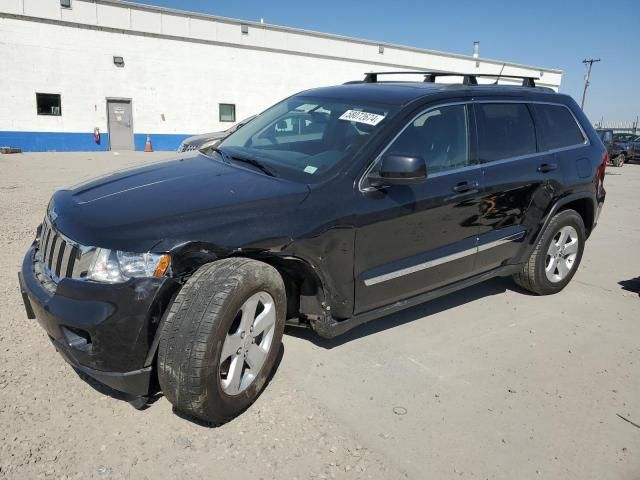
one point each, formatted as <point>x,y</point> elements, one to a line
<point>221,338</point>
<point>620,160</point>
<point>556,257</point>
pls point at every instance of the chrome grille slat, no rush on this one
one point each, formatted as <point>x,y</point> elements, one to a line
<point>73,256</point>
<point>50,250</point>
<point>47,239</point>
<point>64,261</point>
<point>58,255</point>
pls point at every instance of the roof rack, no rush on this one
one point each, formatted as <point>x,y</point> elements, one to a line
<point>467,78</point>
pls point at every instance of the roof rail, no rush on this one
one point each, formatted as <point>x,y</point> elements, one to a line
<point>467,78</point>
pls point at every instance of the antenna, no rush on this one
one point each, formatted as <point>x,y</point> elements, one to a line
<point>500,74</point>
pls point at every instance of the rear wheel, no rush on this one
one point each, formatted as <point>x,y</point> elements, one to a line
<point>221,338</point>
<point>556,257</point>
<point>620,160</point>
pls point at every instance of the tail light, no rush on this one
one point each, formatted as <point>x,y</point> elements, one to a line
<point>602,167</point>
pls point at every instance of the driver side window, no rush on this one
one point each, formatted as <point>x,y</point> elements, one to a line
<point>439,136</point>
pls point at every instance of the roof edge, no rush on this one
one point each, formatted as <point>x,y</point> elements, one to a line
<point>281,28</point>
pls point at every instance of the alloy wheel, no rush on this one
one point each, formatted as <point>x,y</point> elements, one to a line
<point>561,255</point>
<point>247,343</point>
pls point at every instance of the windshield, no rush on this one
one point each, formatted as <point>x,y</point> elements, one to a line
<point>623,137</point>
<point>306,138</point>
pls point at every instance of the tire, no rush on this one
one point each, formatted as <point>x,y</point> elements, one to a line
<point>620,160</point>
<point>207,319</point>
<point>534,276</point>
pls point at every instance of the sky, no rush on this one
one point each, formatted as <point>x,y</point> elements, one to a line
<point>553,34</point>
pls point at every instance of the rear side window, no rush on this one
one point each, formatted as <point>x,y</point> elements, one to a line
<point>505,130</point>
<point>557,127</point>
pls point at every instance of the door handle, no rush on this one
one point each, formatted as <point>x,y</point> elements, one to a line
<point>547,167</point>
<point>464,187</point>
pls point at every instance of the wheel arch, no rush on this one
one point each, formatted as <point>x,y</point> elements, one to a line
<point>306,289</point>
<point>585,207</point>
<point>581,202</point>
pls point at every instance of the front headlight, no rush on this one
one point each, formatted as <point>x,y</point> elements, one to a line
<point>111,266</point>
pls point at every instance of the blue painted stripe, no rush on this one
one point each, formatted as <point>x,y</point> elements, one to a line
<point>53,141</point>
<point>82,142</point>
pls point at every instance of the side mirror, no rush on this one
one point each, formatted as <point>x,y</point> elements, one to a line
<point>398,169</point>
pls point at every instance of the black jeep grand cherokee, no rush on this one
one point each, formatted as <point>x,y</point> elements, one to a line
<point>334,207</point>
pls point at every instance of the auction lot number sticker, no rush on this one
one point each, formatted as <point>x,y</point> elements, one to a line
<point>362,117</point>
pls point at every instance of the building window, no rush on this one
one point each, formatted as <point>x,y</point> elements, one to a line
<point>49,104</point>
<point>227,112</point>
<point>65,3</point>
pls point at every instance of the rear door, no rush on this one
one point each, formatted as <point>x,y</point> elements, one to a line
<point>415,238</point>
<point>518,180</point>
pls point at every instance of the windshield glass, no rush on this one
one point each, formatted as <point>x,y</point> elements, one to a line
<point>623,137</point>
<point>306,138</point>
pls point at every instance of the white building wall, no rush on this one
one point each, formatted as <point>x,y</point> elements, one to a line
<point>178,66</point>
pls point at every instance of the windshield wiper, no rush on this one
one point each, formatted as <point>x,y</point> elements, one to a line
<point>256,163</point>
<point>224,155</point>
<point>251,161</point>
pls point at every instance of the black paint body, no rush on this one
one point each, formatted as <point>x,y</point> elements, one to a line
<point>332,233</point>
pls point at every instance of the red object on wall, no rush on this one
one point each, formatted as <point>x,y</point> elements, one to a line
<point>96,134</point>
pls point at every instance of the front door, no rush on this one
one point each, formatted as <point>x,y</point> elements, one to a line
<point>415,238</point>
<point>120,124</point>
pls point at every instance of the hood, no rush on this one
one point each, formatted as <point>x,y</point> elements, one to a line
<point>165,204</point>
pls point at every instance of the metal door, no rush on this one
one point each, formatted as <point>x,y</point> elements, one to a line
<point>120,124</point>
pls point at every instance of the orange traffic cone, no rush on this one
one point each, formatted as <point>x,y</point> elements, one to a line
<point>147,147</point>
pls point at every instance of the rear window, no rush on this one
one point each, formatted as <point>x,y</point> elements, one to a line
<point>505,130</point>
<point>557,127</point>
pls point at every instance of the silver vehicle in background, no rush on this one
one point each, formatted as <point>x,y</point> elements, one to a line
<point>210,140</point>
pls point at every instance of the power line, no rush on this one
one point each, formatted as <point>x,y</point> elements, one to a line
<point>589,64</point>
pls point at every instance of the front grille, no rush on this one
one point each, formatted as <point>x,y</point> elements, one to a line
<point>57,254</point>
<point>188,148</point>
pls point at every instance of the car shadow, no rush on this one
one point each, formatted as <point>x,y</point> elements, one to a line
<point>631,285</point>
<point>494,286</point>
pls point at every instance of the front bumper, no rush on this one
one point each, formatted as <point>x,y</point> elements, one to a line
<point>108,332</point>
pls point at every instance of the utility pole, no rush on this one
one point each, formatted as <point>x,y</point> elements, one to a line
<point>590,63</point>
